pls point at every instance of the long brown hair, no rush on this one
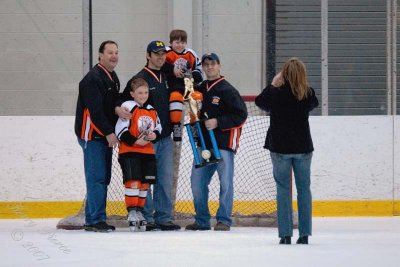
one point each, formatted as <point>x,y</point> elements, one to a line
<point>294,72</point>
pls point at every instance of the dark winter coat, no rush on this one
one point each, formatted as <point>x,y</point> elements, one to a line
<point>289,130</point>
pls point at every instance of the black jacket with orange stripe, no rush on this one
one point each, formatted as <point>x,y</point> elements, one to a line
<point>223,102</point>
<point>95,110</point>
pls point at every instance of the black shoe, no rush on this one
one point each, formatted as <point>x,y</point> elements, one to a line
<point>102,227</point>
<point>168,226</point>
<point>302,240</point>
<point>287,240</point>
<point>196,227</point>
<point>151,226</point>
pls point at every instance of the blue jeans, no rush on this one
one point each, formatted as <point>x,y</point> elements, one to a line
<point>201,178</point>
<point>97,163</point>
<point>158,207</point>
<point>282,165</point>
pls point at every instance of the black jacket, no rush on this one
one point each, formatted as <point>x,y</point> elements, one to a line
<point>158,96</point>
<point>95,110</point>
<point>223,102</point>
<point>289,130</point>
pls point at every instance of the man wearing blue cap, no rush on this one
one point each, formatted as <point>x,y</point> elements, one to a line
<point>225,112</point>
<point>158,208</point>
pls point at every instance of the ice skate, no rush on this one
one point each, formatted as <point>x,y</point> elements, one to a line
<point>133,221</point>
<point>142,223</point>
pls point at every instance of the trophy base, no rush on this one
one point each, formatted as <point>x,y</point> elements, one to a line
<point>206,163</point>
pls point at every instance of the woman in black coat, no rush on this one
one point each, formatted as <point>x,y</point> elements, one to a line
<point>289,99</point>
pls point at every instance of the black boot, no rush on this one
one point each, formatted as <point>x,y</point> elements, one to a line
<point>102,227</point>
<point>302,240</point>
<point>287,240</point>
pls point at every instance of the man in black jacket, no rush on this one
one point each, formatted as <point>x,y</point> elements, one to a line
<point>94,126</point>
<point>225,112</point>
<point>158,207</point>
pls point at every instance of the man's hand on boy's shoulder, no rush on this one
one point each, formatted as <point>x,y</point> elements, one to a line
<point>123,113</point>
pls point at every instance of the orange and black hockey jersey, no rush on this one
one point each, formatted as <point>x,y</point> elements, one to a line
<point>223,102</point>
<point>158,96</point>
<point>98,95</point>
<point>144,119</point>
<point>186,59</point>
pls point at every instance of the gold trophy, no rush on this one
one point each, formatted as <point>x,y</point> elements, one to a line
<point>194,100</point>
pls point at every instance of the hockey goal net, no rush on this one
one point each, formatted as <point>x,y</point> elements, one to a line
<point>254,187</point>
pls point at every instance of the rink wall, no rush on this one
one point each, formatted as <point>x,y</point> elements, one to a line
<point>355,169</point>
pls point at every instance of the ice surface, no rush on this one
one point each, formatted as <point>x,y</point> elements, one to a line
<point>335,242</point>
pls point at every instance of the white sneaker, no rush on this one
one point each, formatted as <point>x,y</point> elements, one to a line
<point>142,221</point>
<point>133,221</point>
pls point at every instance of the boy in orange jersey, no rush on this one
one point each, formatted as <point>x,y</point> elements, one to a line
<point>181,62</point>
<point>136,153</point>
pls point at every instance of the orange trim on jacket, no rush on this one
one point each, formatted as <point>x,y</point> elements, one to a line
<point>88,126</point>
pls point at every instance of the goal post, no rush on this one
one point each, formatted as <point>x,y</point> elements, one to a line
<point>254,186</point>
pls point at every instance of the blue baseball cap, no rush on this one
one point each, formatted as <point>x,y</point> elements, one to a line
<point>156,46</point>
<point>210,56</point>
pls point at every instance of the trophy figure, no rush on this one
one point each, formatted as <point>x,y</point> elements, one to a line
<point>194,100</point>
